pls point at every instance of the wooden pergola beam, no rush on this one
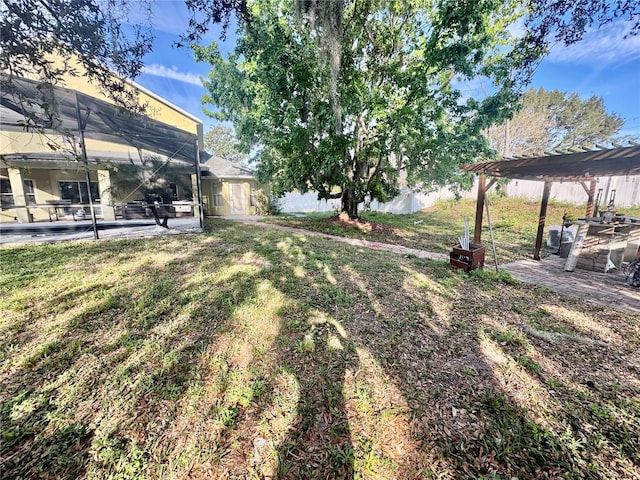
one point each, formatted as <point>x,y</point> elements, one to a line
<point>582,166</point>
<point>483,188</point>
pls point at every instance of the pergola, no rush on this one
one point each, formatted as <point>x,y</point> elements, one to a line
<point>583,167</point>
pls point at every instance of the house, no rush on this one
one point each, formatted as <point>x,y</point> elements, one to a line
<point>231,189</point>
<point>92,152</point>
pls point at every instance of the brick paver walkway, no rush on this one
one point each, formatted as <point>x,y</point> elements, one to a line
<point>607,289</point>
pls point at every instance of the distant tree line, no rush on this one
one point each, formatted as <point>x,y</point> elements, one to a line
<point>554,120</point>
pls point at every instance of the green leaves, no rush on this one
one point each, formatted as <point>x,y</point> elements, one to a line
<point>583,122</point>
<point>221,141</point>
<point>549,120</point>
<point>87,30</point>
<point>395,112</point>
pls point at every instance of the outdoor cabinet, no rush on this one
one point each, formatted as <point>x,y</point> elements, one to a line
<point>134,210</point>
<point>467,260</point>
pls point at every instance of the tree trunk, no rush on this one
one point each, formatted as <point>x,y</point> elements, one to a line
<point>349,203</point>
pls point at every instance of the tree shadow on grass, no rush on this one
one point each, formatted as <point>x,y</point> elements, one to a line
<point>203,381</point>
<point>319,442</point>
<point>118,353</point>
<point>67,453</point>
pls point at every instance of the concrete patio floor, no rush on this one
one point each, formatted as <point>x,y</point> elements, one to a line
<point>49,232</point>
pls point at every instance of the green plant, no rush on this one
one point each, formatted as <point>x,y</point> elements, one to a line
<point>530,364</point>
<point>488,276</point>
<point>469,371</point>
<point>510,337</point>
<point>342,454</point>
<point>553,383</point>
<point>268,204</point>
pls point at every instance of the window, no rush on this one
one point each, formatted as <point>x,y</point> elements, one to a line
<point>173,188</point>
<point>77,192</point>
<point>253,201</point>
<point>6,193</point>
<point>29,192</point>
<point>218,201</point>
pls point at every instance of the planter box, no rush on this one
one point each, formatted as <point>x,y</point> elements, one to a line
<point>467,260</point>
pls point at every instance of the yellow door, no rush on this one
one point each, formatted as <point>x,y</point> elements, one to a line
<point>237,199</point>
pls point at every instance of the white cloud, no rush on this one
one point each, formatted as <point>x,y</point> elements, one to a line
<point>172,73</point>
<point>603,46</point>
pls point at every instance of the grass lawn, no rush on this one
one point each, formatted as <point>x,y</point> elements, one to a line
<point>247,352</point>
<point>514,221</point>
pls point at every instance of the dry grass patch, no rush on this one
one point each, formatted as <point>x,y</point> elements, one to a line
<point>250,353</point>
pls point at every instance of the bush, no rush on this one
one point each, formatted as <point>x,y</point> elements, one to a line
<point>267,204</point>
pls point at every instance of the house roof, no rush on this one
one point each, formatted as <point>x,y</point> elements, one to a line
<point>160,99</point>
<point>572,166</point>
<point>222,168</point>
<point>96,158</point>
<point>102,120</point>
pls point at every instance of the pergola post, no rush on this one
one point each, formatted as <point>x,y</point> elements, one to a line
<point>482,189</point>
<point>542,219</point>
<point>591,193</point>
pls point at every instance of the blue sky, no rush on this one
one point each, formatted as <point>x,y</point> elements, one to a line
<point>604,63</point>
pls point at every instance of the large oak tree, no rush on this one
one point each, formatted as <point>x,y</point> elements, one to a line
<point>343,97</point>
<point>395,106</point>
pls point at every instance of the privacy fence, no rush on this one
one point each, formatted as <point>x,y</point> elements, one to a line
<point>625,191</point>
